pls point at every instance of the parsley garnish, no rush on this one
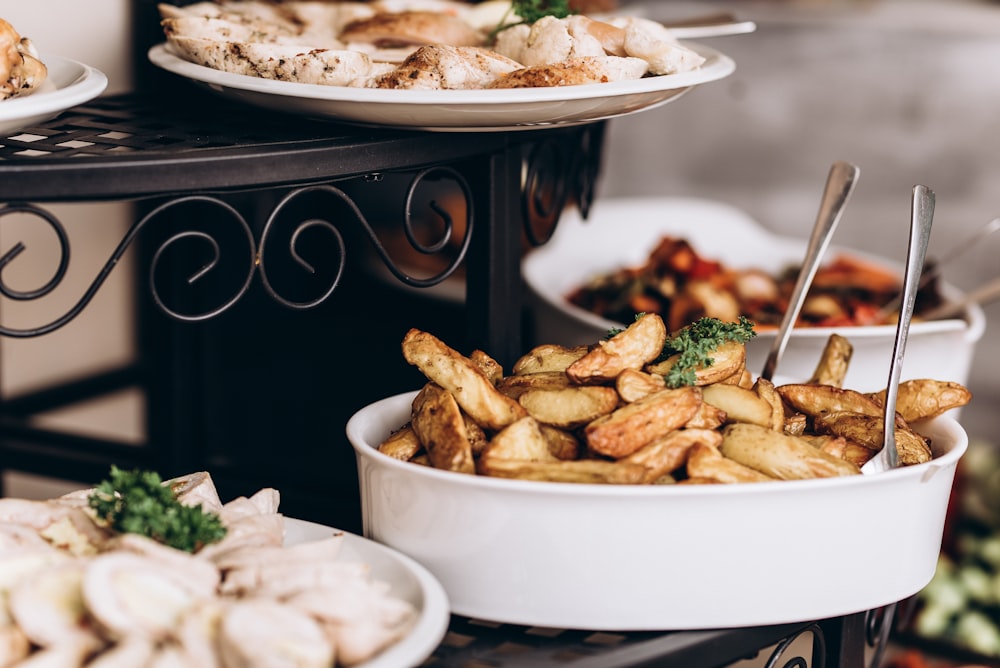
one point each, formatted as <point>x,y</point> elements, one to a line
<point>694,344</point>
<point>530,11</point>
<point>138,502</point>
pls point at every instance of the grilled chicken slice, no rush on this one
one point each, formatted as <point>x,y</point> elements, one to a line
<point>551,40</point>
<point>411,28</point>
<point>21,70</point>
<point>655,44</point>
<point>268,634</point>
<point>441,66</point>
<point>196,489</point>
<point>48,606</point>
<point>586,70</point>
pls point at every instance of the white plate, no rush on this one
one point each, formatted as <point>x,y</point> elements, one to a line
<point>406,578</point>
<point>453,110</point>
<point>69,83</point>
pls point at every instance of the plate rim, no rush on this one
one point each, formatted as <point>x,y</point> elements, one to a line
<point>85,83</point>
<point>434,615</point>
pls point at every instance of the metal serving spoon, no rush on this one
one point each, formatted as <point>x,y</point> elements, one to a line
<point>921,218</point>
<point>839,186</point>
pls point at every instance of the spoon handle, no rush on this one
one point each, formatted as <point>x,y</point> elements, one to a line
<point>839,186</point>
<point>921,217</point>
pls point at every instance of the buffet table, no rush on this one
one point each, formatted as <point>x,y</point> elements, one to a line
<point>252,171</point>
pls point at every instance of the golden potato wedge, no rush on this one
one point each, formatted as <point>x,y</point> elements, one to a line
<point>632,426</point>
<point>922,398</point>
<point>739,404</point>
<point>491,368</point>
<point>593,471</point>
<point>707,417</point>
<point>705,462</point>
<point>816,400</point>
<point>515,386</point>
<point>867,430</point>
<point>795,424</point>
<point>521,440</point>
<point>633,384</point>
<point>765,390</point>
<point>402,444</point>
<point>779,455</point>
<point>569,407</point>
<point>838,446</point>
<point>478,440</point>
<point>562,443</point>
<point>438,423</point>
<point>462,378</point>
<point>728,360</point>
<point>548,357</point>
<point>636,345</point>
<point>833,362</point>
<point>669,453</point>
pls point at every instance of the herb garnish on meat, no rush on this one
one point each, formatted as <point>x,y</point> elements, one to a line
<point>138,502</point>
<point>530,11</point>
<point>695,343</point>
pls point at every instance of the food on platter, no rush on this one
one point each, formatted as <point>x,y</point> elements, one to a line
<point>681,284</point>
<point>21,69</point>
<point>138,571</point>
<point>644,406</point>
<point>428,44</point>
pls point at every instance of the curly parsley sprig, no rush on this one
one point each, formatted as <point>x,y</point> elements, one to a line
<point>694,344</point>
<point>530,11</point>
<point>138,502</point>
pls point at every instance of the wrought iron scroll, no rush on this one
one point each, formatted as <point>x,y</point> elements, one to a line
<point>878,627</point>
<point>818,652</point>
<point>256,257</point>
<point>556,173</point>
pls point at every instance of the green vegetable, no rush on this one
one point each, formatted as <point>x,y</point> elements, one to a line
<point>530,11</point>
<point>695,343</point>
<point>138,502</point>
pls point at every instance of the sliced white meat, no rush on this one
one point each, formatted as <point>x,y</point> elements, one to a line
<point>14,645</point>
<point>325,18</point>
<point>203,575</point>
<point>552,40</point>
<point>281,62</point>
<point>17,538</point>
<point>280,580</point>
<point>127,594</point>
<point>171,656</point>
<point>447,67</point>
<point>655,44</point>
<point>266,634</point>
<point>130,652</point>
<point>326,549</point>
<point>48,606</point>
<point>411,28</point>
<point>197,633</point>
<point>251,531</point>
<point>59,656</point>
<point>17,565</point>
<point>360,617</point>
<point>588,70</point>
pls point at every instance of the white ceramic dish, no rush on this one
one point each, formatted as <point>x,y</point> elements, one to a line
<point>69,83</point>
<point>622,232</point>
<point>406,578</point>
<point>452,110</point>
<point>658,557</point>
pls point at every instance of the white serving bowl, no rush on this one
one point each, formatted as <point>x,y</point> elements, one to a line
<point>622,232</point>
<point>648,557</point>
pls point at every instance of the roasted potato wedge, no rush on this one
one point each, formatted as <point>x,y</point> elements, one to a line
<point>728,360</point>
<point>706,463</point>
<point>707,417</point>
<point>438,423</point>
<point>766,391</point>
<point>922,399</point>
<point>739,404</point>
<point>515,386</point>
<point>491,368</point>
<point>569,407</point>
<point>462,378</point>
<point>522,440</point>
<point>593,471</point>
<point>816,400</point>
<point>669,453</point>
<point>833,362</point>
<point>867,430</point>
<point>779,455</point>
<point>633,384</point>
<point>636,345</point>
<point>632,426</point>
<point>403,444</point>
<point>562,443</point>
<point>548,357</point>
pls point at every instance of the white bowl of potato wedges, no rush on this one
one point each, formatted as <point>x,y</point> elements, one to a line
<point>627,486</point>
<point>594,274</point>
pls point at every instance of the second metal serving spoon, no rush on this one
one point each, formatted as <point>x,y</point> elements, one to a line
<point>921,218</point>
<point>839,186</point>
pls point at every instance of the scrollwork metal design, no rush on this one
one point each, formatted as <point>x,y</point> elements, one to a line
<point>819,650</point>
<point>256,257</point>
<point>878,627</point>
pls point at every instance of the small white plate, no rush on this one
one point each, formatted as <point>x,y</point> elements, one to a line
<point>453,110</point>
<point>406,578</point>
<point>69,83</point>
